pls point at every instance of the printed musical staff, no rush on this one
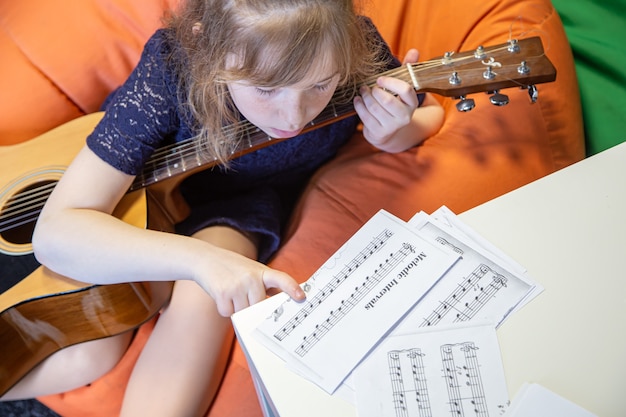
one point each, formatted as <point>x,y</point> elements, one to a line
<point>393,278</point>
<point>470,295</point>
<point>450,370</point>
<point>360,291</point>
<point>338,279</point>
<point>411,398</point>
<point>445,242</point>
<point>461,371</point>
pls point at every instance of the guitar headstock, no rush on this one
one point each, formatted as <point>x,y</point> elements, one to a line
<point>520,63</point>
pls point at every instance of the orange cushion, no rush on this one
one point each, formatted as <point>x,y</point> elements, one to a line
<point>475,157</point>
<point>31,103</point>
<point>65,59</point>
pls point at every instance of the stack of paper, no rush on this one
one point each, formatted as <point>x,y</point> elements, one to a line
<point>404,308</point>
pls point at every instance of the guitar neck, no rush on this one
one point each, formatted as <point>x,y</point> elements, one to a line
<point>512,64</point>
<point>187,157</point>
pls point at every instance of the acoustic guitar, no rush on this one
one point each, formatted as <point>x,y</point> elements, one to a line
<point>42,312</point>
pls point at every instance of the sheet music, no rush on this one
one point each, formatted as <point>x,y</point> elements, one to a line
<point>354,299</point>
<point>392,278</point>
<point>445,219</point>
<point>452,371</point>
<point>479,286</point>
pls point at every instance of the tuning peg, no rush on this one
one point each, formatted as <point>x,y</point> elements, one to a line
<point>513,46</point>
<point>465,104</point>
<point>454,78</point>
<point>498,99</point>
<point>523,68</point>
<point>533,93</point>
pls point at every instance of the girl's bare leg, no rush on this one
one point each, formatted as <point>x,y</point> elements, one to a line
<point>183,362</point>
<point>71,368</point>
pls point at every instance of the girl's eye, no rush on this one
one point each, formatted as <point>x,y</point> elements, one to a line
<point>264,91</point>
<point>323,87</point>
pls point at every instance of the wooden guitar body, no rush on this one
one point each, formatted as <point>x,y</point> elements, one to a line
<point>70,313</point>
<point>44,312</point>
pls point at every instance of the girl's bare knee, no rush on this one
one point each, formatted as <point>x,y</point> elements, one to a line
<point>71,368</point>
<point>96,357</point>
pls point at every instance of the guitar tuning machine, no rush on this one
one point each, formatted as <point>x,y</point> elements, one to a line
<point>513,46</point>
<point>454,78</point>
<point>489,74</point>
<point>523,68</point>
<point>499,99</point>
<point>479,53</point>
<point>465,104</point>
<point>447,58</point>
<point>533,93</point>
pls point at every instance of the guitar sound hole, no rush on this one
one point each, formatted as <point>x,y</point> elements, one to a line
<point>20,212</point>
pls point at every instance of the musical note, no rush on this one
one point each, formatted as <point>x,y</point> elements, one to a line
<point>408,383</point>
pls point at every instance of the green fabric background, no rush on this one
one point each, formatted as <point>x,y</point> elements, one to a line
<point>596,30</point>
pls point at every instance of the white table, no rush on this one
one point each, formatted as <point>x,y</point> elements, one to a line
<point>569,230</point>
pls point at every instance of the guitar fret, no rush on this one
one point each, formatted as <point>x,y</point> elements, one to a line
<point>174,162</point>
<point>409,68</point>
<point>249,138</point>
<point>332,106</point>
<point>196,155</point>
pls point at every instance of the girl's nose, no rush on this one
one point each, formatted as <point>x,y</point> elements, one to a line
<point>293,111</point>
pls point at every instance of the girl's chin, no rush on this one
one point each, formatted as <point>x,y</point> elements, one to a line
<point>282,134</point>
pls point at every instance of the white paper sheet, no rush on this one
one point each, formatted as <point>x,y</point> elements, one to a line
<point>392,278</point>
<point>480,286</point>
<point>354,299</point>
<point>534,400</point>
<point>435,372</point>
<point>447,220</point>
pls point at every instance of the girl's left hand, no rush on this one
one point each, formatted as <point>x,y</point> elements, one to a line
<point>387,107</point>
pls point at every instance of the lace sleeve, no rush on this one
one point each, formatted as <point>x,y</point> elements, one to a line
<point>141,114</point>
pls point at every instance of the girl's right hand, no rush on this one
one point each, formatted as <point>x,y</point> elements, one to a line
<point>236,282</point>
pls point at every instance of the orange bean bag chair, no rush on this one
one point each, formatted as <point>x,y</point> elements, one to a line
<point>475,157</point>
<point>61,60</point>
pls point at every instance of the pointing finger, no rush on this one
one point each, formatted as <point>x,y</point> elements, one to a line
<point>277,279</point>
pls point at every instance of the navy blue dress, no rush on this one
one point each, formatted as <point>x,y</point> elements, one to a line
<point>256,195</point>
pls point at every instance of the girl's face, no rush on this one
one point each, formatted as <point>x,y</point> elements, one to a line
<point>283,112</point>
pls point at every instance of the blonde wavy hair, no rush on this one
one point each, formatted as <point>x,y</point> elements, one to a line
<point>292,32</point>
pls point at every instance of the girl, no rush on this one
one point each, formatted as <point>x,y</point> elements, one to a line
<point>273,63</point>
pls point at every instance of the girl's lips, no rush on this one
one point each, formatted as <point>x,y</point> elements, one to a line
<point>281,134</point>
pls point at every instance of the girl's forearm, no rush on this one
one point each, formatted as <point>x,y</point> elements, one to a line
<point>95,247</point>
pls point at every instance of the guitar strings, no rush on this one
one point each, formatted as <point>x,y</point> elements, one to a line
<point>190,149</point>
<point>159,161</point>
<point>25,206</point>
<point>165,152</point>
<point>162,157</point>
